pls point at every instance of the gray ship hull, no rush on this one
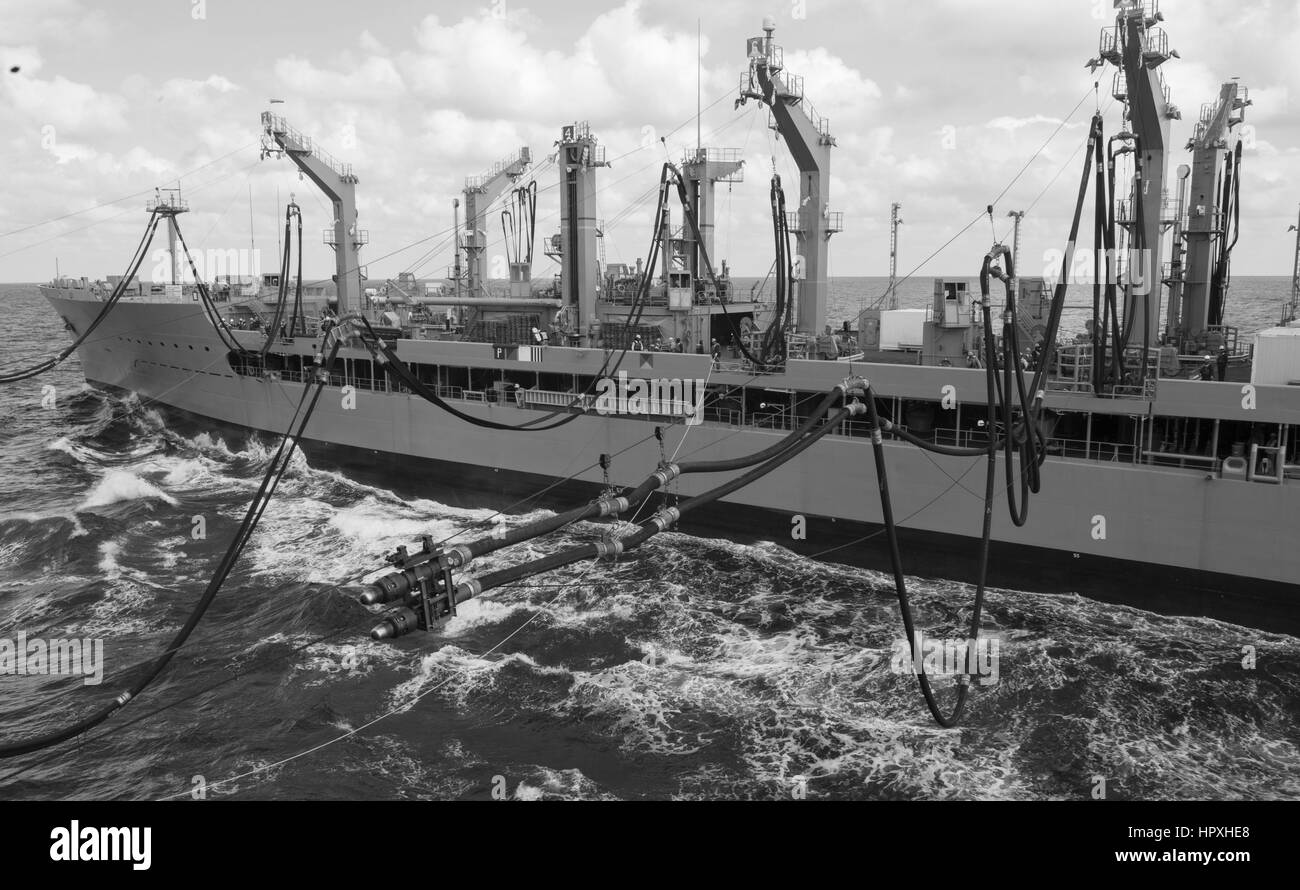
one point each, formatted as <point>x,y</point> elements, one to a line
<point>1175,540</point>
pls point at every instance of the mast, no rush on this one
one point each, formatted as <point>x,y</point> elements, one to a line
<point>1292,313</point>
<point>168,204</point>
<point>699,139</point>
<point>894,223</point>
<point>809,138</point>
<point>339,184</point>
<point>252,243</point>
<point>455,221</point>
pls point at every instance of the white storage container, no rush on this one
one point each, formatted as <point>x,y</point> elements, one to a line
<point>901,328</point>
<point>1277,357</point>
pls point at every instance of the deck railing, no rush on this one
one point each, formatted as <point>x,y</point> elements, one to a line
<point>1266,464</point>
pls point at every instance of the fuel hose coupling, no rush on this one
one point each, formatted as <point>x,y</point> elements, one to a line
<point>855,386</point>
<point>396,585</point>
<point>457,557</point>
<point>666,518</point>
<point>609,549</point>
<point>667,473</point>
<point>612,506</point>
<point>856,408</point>
<point>468,589</point>
<point>396,624</point>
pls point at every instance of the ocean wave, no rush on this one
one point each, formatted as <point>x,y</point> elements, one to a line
<point>122,485</point>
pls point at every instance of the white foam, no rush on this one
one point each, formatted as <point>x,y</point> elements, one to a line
<point>73,449</point>
<point>108,551</point>
<point>123,485</point>
<point>26,516</point>
<point>477,612</point>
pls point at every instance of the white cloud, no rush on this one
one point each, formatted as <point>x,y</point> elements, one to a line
<point>374,77</point>
<point>65,104</point>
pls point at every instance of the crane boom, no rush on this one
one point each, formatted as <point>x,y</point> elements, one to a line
<point>1214,148</point>
<point>1138,47</point>
<point>480,193</point>
<point>338,182</point>
<point>808,136</point>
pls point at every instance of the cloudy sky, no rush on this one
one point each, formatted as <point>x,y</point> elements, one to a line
<point>936,103</point>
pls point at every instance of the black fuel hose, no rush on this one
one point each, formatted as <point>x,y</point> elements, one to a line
<point>652,483</point>
<point>224,333</point>
<point>895,553</point>
<point>1025,439</point>
<point>282,296</point>
<point>1058,297</point>
<point>650,527</point>
<point>740,463</point>
<point>893,429</point>
<point>298,320</point>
